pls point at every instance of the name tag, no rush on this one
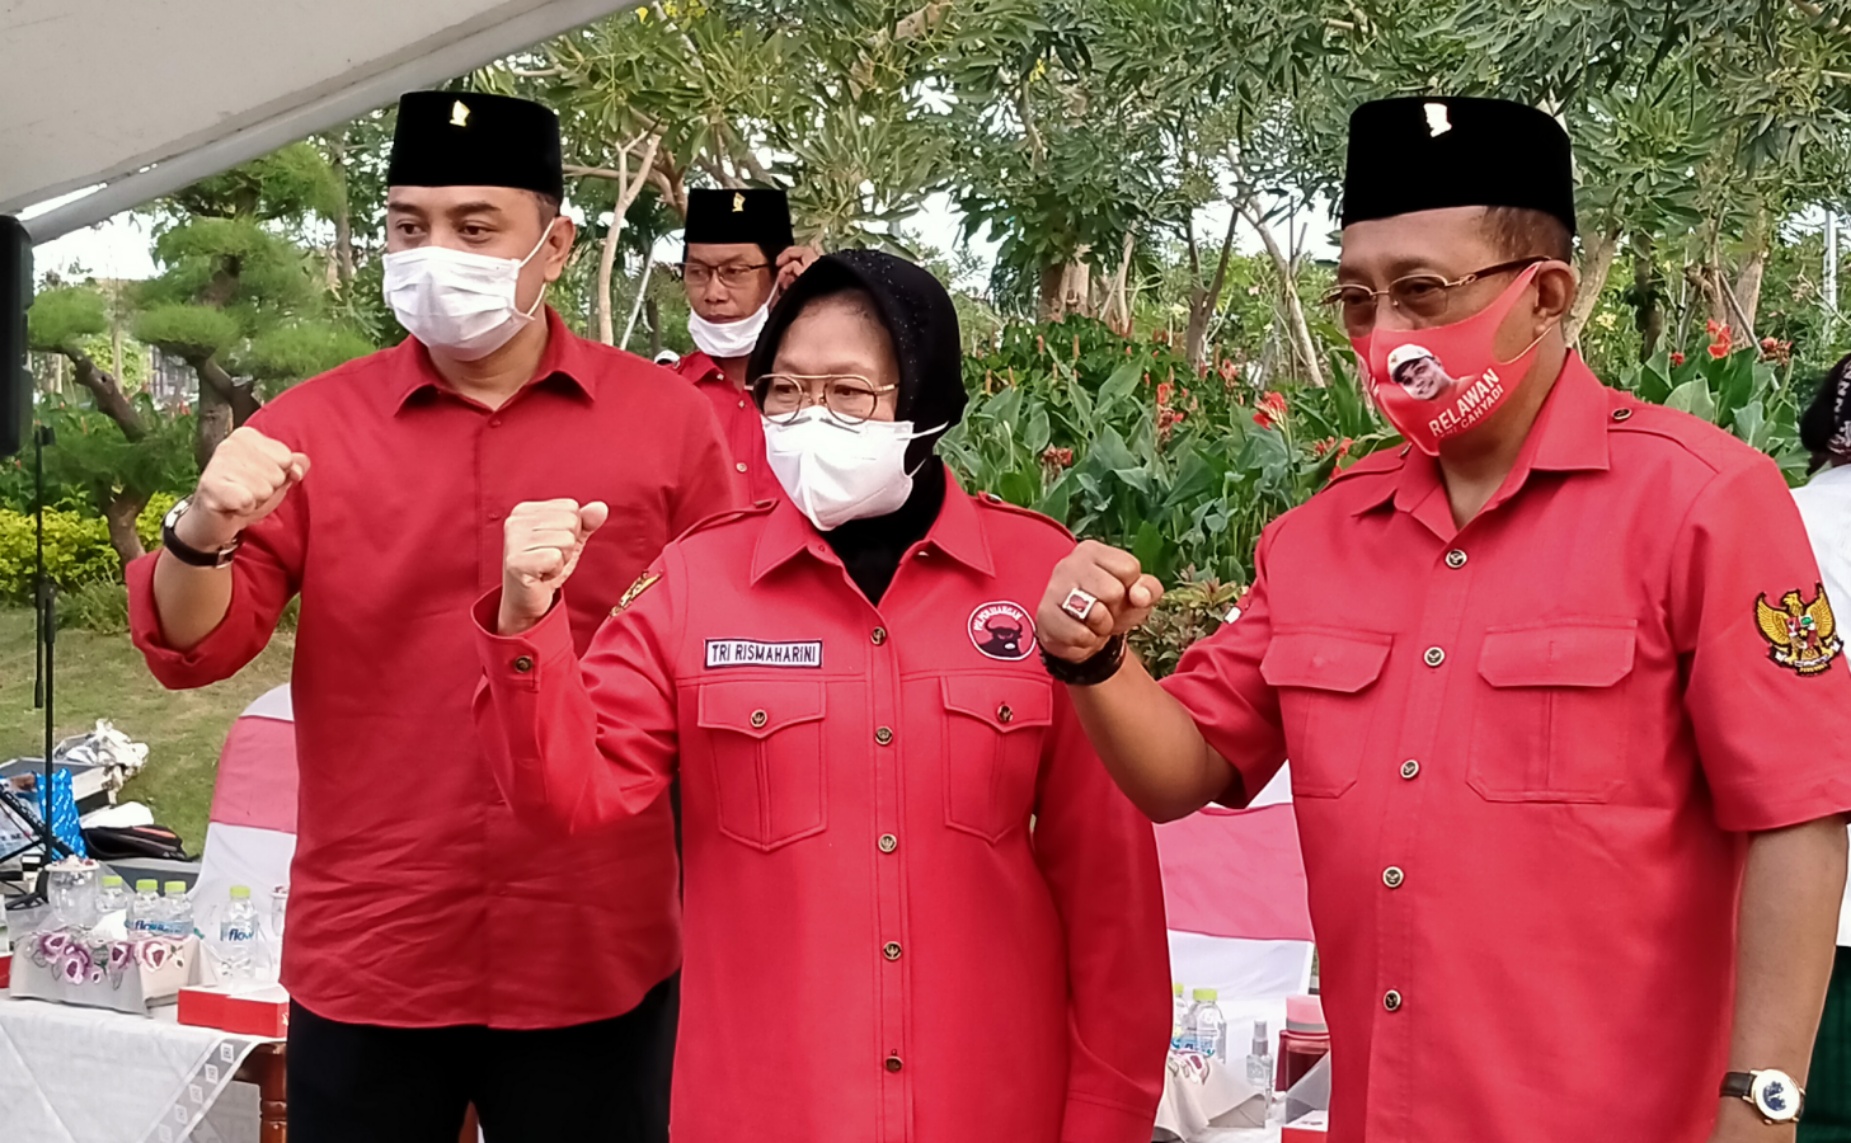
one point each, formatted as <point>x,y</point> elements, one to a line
<point>747,653</point>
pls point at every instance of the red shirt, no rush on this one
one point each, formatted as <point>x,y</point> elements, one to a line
<point>917,909</point>
<point>740,423</point>
<point>416,897</point>
<point>1524,756</point>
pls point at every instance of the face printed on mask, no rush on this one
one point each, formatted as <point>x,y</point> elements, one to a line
<point>1441,381</point>
<point>457,302</point>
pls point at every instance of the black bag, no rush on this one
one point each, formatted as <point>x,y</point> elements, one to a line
<point>110,843</point>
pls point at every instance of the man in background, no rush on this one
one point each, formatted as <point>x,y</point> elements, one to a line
<point>740,253</point>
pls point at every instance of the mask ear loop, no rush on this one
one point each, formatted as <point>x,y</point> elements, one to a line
<point>546,234</point>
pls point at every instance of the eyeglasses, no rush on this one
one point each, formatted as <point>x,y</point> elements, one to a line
<point>732,276</point>
<point>1423,296</point>
<point>847,397</point>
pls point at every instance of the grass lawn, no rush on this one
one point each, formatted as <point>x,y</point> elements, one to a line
<point>102,676</point>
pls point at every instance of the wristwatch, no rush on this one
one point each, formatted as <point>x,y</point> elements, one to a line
<point>185,553</point>
<point>1771,1092</point>
<point>1102,666</point>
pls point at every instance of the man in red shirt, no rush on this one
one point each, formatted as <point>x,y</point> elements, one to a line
<point>740,254</point>
<point>917,909</point>
<point>1574,865</point>
<point>439,954</point>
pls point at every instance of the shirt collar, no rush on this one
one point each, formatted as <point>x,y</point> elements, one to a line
<point>958,533</point>
<point>1569,435</point>
<point>700,368</point>
<point>566,356</point>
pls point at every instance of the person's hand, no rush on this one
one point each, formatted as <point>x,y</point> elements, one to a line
<point>541,543</point>
<point>247,477</point>
<point>792,263</point>
<point>1124,594</point>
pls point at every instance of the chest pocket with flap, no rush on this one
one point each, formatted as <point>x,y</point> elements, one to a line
<point>994,727</point>
<point>764,742</point>
<point>1324,677</point>
<point>1550,724</point>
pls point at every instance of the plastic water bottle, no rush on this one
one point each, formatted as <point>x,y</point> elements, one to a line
<point>145,909</point>
<point>1185,1041</point>
<point>238,933</point>
<point>1179,1017</point>
<point>1260,1059</point>
<point>1211,1027</point>
<point>113,897</point>
<point>178,920</point>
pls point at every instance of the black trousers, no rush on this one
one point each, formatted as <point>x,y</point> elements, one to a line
<point>605,1082</point>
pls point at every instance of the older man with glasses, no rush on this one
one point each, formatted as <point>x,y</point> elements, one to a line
<point>740,254</point>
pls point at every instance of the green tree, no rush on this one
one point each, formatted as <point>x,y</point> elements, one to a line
<point>241,297</point>
<point>120,449</point>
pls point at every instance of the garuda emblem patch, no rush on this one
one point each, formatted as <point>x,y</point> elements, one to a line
<point>1802,636</point>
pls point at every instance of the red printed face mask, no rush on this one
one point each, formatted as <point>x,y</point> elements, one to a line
<point>1438,382</point>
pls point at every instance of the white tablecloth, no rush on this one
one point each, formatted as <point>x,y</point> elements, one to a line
<point>84,1075</point>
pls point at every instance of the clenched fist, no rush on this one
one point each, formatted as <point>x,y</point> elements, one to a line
<point>245,480</point>
<point>1124,595</point>
<point>541,543</point>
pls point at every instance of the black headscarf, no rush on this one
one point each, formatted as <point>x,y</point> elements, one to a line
<point>919,317</point>
<point>1825,426</point>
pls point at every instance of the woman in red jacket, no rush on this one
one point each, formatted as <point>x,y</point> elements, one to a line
<point>916,908</point>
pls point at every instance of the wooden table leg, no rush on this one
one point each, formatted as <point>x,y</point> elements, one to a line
<point>267,1067</point>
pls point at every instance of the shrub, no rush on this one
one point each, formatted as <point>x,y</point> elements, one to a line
<point>77,552</point>
<point>102,607</point>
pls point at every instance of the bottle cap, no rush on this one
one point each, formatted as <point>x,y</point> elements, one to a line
<point>111,881</point>
<point>240,892</point>
<point>1176,989</point>
<point>1305,1014</point>
<point>176,888</point>
<point>147,885</point>
<point>1206,996</point>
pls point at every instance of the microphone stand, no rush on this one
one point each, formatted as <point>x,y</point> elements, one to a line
<point>45,637</point>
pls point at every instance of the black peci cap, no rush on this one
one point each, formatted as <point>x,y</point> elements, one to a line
<point>467,139</point>
<point>1413,154</point>
<point>723,217</point>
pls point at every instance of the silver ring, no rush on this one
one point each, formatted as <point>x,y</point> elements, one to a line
<point>1079,604</point>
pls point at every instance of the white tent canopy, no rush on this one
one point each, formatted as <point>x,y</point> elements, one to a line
<point>147,97</point>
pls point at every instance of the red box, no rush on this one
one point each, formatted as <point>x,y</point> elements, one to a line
<point>261,1010</point>
<point>6,970</point>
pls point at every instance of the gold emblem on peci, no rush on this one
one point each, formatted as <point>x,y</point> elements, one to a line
<point>459,114</point>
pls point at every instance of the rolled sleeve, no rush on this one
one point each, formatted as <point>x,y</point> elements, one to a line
<point>1743,566</point>
<point>1219,683</point>
<point>264,577</point>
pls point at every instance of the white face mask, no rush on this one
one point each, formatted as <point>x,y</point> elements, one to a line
<point>727,340</point>
<point>459,302</point>
<point>835,473</point>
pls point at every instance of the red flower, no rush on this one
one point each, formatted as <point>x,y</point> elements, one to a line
<point>1716,329</point>
<point>1274,403</point>
<point>1677,358</point>
<point>1262,419</point>
<point>1229,370</point>
<point>1719,349</point>
<point>1768,344</point>
<point>1163,395</point>
<point>1343,447</point>
<point>1057,457</point>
